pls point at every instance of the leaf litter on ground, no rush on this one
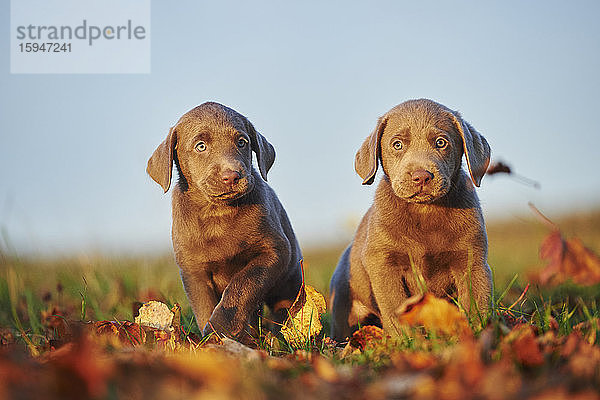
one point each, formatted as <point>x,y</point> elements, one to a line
<point>516,354</point>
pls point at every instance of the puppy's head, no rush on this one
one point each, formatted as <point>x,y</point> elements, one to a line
<point>420,144</point>
<point>212,146</point>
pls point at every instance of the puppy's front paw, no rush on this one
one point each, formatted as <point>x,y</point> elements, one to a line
<point>223,322</point>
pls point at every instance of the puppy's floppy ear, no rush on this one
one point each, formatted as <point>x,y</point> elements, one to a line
<point>265,153</point>
<point>160,165</point>
<point>367,157</point>
<point>476,148</point>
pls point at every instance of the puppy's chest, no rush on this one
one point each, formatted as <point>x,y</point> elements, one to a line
<point>217,241</point>
<point>428,239</point>
<point>428,262</point>
<point>434,232</point>
<point>221,272</point>
<point>432,246</point>
<point>221,247</point>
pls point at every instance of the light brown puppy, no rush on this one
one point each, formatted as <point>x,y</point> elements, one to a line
<point>425,220</point>
<point>233,241</point>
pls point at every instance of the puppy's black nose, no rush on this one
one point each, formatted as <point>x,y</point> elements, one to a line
<point>421,177</point>
<point>230,177</point>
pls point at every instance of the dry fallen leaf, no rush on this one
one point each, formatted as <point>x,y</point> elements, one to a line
<point>304,319</point>
<point>562,393</point>
<point>498,167</point>
<point>81,366</point>
<point>502,380</point>
<point>366,337</point>
<point>522,344</point>
<point>324,369</point>
<point>127,332</point>
<point>434,314</point>
<point>155,315</point>
<point>414,360</point>
<point>216,371</point>
<point>568,259</point>
<point>588,330</point>
<point>585,362</point>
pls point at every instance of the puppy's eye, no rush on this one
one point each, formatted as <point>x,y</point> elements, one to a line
<point>200,147</point>
<point>440,143</point>
<point>242,142</point>
<point>397,145</point>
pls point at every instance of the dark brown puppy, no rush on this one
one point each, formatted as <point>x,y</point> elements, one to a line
<point>232,238</point>
<point>425,222</point>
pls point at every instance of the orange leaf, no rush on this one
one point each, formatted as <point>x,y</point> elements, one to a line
<point>81,365</point>
<point>434,314</point>
<point>324,369</point>
<point>521,342</point>
<point>416,360</point>
<point>213,369</point>
<point>568,259</point>
<point>366,337</point>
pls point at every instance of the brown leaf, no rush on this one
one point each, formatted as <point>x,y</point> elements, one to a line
<point>81,365</point>
<point>498,167</point>
<point>56,325</point>
<point>325,370</point>
<point>434,314</point>
<point>162,337</point>
<point>501,381</point>
<point>416,360</point>
<point>585,362</point>
<point>279,364</point>
<point>522,344</point>
<point>127,332</point>
<point>7,336</point>
<point>367,337</point>
<point>561,393</point>
<point>568,259</point>
<point>464,370</point>
<point>588,330</point>
<point>176,323</point>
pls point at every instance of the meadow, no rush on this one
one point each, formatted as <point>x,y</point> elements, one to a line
<point>66,331</point>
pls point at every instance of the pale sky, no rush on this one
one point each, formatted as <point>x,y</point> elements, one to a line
<point>313,77</point>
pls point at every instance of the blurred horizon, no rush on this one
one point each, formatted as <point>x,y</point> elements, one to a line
<point>313,78</point>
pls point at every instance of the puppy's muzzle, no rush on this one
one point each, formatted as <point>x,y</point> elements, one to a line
<point>421,178</point>
<point>230,184</point>
<point>230,177</point>
<point>422,186</point>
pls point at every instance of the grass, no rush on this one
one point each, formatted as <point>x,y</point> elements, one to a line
<point>514,244</point>
<point>39,297</point>
<point>101,288</point>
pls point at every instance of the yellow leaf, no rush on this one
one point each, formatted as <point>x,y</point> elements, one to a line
<point>434,314</point>
<point>304,320</point>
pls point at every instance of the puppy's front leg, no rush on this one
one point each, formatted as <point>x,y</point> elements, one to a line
<point>388,288</point>
<point>474,287</point>
<point>242,297</point>
<point>200,293</point>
